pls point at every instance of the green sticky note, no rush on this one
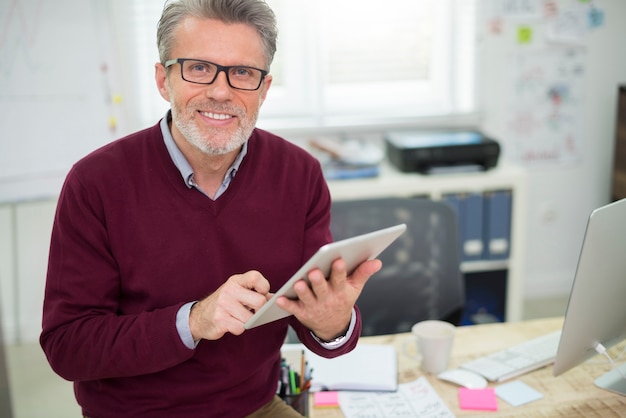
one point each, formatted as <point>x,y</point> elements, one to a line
<point>524,34</point>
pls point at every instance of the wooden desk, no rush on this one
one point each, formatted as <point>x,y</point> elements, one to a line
<point>572,394</point>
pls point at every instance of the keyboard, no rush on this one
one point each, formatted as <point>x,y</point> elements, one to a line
<point>516,360</point>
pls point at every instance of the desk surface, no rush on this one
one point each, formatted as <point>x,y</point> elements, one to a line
<point>572,394</point>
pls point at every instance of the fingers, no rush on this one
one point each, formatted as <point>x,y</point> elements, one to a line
<point>253,280</point>
<point>229,307</point>
<point>319,287</point>
<point>365,270</point>
<point>259,286</point>
<point>339,276</point>
<point>321,299</point>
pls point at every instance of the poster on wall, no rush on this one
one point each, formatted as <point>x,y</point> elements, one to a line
<point>545,75</point>
<point>545,106</point>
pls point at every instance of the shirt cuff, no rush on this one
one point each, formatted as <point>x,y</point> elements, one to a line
<point>182,326</point>
<point>339,341</point>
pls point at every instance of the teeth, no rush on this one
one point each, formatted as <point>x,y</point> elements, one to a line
<point>218,116</point>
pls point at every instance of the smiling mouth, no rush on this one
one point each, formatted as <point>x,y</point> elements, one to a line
<point>216,116</point>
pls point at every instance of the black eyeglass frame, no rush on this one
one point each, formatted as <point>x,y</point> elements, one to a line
<point>220,68</point>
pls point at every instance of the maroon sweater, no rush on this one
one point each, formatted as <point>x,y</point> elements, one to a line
<point>131,244</point>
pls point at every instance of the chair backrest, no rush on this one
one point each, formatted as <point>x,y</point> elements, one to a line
<point>420,278</point>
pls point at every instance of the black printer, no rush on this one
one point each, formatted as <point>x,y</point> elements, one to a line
<point>425,151</point>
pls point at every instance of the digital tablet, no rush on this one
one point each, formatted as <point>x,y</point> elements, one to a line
<point>353,251</point>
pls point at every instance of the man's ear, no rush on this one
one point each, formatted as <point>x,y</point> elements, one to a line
<point>267,82</point>
<point>160,76</point>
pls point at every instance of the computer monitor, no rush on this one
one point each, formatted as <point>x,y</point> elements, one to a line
<point>596,311</point>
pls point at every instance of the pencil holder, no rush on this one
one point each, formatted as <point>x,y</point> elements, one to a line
<point>299,402</point>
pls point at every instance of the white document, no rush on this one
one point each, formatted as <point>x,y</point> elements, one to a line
<point>414,399</point>
<point>369,367</point>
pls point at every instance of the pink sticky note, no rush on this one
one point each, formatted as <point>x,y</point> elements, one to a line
<point>478,399</point>
<point>326,399</point>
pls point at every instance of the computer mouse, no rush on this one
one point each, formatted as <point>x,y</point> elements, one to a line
<point>463,378</point>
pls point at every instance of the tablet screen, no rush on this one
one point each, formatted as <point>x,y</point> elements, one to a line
<point>353,251</point>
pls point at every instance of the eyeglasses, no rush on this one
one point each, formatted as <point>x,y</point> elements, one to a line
<point>204,72</point>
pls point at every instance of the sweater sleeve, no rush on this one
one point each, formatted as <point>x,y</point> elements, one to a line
<point>306,338</point>
<point>84,335</point>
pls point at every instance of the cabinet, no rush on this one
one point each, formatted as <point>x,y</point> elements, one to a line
<point>506,271</point>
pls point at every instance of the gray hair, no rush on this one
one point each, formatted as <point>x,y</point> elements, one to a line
<point>255,13</point>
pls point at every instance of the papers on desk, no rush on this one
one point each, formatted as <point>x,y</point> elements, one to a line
<point>414,399</point>
<point>367,379</point>
<point>347,159</point>
<point>369,367</point>
<point>517,393</point>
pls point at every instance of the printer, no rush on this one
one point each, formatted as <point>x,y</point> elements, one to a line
<point>428,151</point>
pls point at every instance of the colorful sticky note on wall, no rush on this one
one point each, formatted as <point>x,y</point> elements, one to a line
<point>112,123</point>
<point>550,8</point>
<point>495,26</point>
<point>524,34</point>
<point>595,17</point>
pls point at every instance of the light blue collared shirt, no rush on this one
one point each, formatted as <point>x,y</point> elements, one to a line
<point>186,172</point>
<point>185,168</point>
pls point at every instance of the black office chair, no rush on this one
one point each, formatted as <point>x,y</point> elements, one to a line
<point>420,278</point>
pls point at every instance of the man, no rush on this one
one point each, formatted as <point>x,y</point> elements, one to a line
<point>166,241</point>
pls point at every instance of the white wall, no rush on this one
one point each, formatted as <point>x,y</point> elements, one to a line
<point>561,198</point>
<point>7,273</point>
<point>24,240</point>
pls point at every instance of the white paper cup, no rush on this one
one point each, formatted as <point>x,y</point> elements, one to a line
<point>433,340</point>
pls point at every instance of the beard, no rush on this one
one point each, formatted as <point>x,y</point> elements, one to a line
<point>209,140</point>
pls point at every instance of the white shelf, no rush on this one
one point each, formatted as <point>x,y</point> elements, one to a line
<point>393,183</point>
<point>484,265</point>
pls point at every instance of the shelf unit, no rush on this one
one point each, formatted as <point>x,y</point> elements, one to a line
<point>393,183</point>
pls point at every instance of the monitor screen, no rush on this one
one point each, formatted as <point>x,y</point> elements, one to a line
<point>596,311</point>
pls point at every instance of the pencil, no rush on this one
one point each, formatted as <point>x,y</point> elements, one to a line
<point>292,382</point>
<point>302,368</point>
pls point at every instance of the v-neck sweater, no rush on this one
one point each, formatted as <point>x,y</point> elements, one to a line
<point>131,243</point>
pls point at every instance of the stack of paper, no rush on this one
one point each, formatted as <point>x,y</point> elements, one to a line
<point>369,367</point>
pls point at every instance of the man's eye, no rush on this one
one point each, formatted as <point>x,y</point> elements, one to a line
<point>200,68</point>
<point>242,72</point>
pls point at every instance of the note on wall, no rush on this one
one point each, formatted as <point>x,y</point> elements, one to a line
<point>568,26</point>
<point>517,8</point>
<point>545,106</point>
<point>543,86</point>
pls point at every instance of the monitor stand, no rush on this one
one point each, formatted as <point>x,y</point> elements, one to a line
<point>613,381</point>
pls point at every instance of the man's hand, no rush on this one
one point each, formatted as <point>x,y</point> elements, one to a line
<point>326,306</point>
<point>229,307</point>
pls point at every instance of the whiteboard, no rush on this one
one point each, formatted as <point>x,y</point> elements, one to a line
<point>57,94</point>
